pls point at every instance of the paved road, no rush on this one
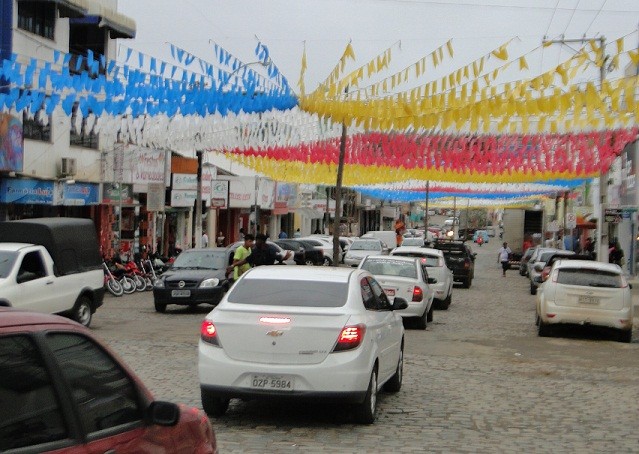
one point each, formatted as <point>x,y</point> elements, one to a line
<point>477,380</point>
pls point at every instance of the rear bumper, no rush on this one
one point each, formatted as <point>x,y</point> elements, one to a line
<point>226,392</point>
<point>617,319</point>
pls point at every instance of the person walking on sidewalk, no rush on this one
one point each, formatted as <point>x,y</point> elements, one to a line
<point>503,257</point>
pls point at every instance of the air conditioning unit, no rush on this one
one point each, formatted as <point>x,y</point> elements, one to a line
<point>67,167</point>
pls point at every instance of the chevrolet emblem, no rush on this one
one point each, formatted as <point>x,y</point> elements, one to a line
<point>181,284</point>
<point>274,333</point>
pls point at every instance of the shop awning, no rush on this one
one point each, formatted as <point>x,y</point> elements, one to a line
<point>310,213</point>
<point>121,26</point>
<point>68,8</point>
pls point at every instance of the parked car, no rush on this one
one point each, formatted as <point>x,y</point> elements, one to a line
<point>388,237</point>
<point>537,267</point>
<point>321,334</point>
<point>64,390</point>
<point>299,252</point>
<point>51,265</point>
<point>561,256</point>
<point>326,247</point>
<point>481,233</point>
<point>405,277</point>
<point>585,292</point>
<point>533,258</point>
<point>364,247</point>
<point>418,241</point>
<point>523,263</point>
<point>198,276</point>
<point>434,260</point>
<point>328,244</point>
<point>459,258</point>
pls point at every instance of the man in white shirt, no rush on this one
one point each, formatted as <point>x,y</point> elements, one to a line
<point>503,257</point>
<point>205,240</point>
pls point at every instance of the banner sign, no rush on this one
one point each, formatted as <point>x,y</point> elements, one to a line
<point>220,194</point>
<point>78,194</point>
<point>185,198</point>
<point>113,192</point>
<point>11,144</point>
<point>26,191</point>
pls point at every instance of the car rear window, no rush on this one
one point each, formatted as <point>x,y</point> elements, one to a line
<point>589,278</point>
<point>426,260</point>
<point>390,268</point>
<point>283,292</point>
<point>366,246</point>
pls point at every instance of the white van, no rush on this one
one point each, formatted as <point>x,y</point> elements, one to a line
<point>386,236</point>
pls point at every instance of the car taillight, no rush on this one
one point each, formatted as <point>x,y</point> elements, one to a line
<point>554,275</point>
<point>441,262</point>
<point>544,274</point>
<point>418,294</point>
<point>624,282</point>
<point>466,264</point>
<point>350,337</point>
<point>208,333</point>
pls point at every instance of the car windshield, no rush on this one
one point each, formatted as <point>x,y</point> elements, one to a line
<point>7,258</point>
<point>200,260</point>
<point>289,292</point>
<point>366,246</point>
<point>589,277</point>
<point>398,268</point>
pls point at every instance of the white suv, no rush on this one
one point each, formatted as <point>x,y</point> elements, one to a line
<point>433,259</point>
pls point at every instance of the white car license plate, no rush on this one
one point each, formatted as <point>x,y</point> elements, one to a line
<point>585,299</point>
<point>273,382</point>
<point>390,291</point>
<point>181,293</point>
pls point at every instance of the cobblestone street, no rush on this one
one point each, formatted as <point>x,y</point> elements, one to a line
<point>479,379</point>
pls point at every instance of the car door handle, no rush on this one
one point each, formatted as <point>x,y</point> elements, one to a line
<point>49,282</point>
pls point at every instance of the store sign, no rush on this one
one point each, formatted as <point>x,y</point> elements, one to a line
<point>613,215</point>
<point>114,193</point>
<point>184,198</point>
<point>26,191</point>
<point>78,194</point>
<point>140,166</point>
<point>155,197</point>
<point>220,194</point>
<point>188,181</point>
<point>11,144</point>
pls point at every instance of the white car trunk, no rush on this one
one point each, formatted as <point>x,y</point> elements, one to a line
<point>589,297</point>
<point>285,335</point>
<point>395,286</point>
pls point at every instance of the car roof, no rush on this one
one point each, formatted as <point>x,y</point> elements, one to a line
<point>418,249</point>
<point>396,258</point>
<point>300,273</point>
<point>14,246</point>
<point>16,317</point>
<point>589,264</point>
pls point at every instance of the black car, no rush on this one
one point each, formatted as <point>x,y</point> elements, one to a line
<point>459,258</point>
<point>197,276</point>
<point>313,255</point>
<point>296,247</point>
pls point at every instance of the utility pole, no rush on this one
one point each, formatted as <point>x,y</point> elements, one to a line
<point>338,196</point>
<point>426,210</point>
<point>198,202</point>
<point>602,226</point>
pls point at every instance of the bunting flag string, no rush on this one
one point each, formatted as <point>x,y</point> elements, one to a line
<point>274,73</point>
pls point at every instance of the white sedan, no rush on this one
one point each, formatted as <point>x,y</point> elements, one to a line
<point>302,332</point>
<point>362,248</point>
<point>408,278</point>
<point>434,260</point>
<point>585,292</point>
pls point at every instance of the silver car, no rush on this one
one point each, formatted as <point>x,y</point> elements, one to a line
<point>362,248</point>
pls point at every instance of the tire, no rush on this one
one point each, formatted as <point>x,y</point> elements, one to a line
<point>543,329</point>
<point>160,307</point>
<point>395,383</point>
<point>140,283</point>
<point>429,315</point>
<point>327,262</point>
<point>533,289</point>
<point>82,311</point>
<point>128,285</point>
<point>212,404</point>
<point>366,412</point>
<point>309,262</point>
<point>448,300</point>
<point>625,336</point>
<point>421,322</point>
<point>114,287</point>
<point>467,282</point>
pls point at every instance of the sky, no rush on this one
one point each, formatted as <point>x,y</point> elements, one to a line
<point>325,27</point>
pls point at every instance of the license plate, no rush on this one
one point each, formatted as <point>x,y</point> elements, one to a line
<point>584,299</point>
<point>390,291</point>
<point>181,293</point>
<point>272,382</point>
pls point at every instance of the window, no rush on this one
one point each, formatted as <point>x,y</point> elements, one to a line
<point>37,18</point>
<point>37,127</point>
<point>84,135</point>
<point>31,412</point>
<point>382,301</point>
<point>373,295</point>
<point>32,267</point>
<point>289,293</point>
<point>368,297</point>
<point>589,278</point>
<point>106,397</point>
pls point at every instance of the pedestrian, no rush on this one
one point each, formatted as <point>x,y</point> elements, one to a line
<point>589,246</point>
<point>262,253</point>
<point>240,264</point>
<point>283,235</point>
<point>242,234</point>
<point>220,239</point>
<point>317,231</point>
<point>205,240</point>
<point>297,233</point>
<point>615,253</point>
<point>503,257</point>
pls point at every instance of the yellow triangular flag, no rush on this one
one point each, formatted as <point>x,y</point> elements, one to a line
<point>522,63</point>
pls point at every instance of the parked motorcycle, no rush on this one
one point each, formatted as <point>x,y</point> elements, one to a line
<point>134,273</point>
<point>111,283</point>
<point>127,284</point>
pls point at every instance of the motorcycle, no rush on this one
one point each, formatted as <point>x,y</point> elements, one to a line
<point>135,274</point>
<point>111,283</point>
<point>120,276</point>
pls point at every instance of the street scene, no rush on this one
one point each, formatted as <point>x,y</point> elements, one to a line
<point>302,226</point>
<point>478,379</point>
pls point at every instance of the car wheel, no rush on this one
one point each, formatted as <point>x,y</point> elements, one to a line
<point>429,315</point>
<point>367,410</point>
<point>82,311</point>
<point>395,383</point>
<point>448,300</point>
<point>521,272</point>
<point>309,262</point>
<point>467,282</point>
<point>422,322</point>
<point>625,336</point>
<point>213,404</point>
<point>160,307</point>
<point>327,262</point>
<point>533,289</point>
<point>543,329</point>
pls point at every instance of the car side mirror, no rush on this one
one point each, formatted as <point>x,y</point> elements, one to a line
<point>432,280</point>
<point>399,304</point>
<point>163,413</point>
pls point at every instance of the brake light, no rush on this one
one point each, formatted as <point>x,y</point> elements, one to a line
<point>441,262</point>
<point>554,275</point>
<point>624,282</point>
<point>466,264</point>
<point>208,333</point>
<point>350,337</point>
<point>418,294</point>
